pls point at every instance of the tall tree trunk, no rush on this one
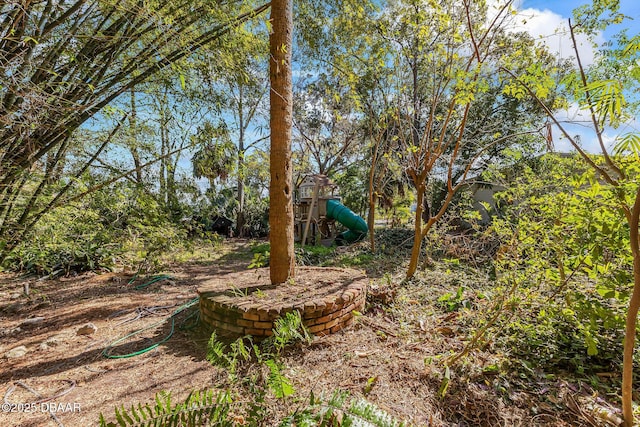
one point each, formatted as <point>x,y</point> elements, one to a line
<point>240,217</point>
<point>241,172</point>
<point>164,149</point>
<point>417,233</point>
<point>633,218</point>
<point>373,197</point>
<point>133,147</point>
<point>371,216</point>
<point>282,264</point>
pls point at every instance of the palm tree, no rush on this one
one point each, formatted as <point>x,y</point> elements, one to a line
<point>281,219</point>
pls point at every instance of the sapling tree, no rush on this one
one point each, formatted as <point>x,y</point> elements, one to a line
<point>448,102</point>
<point>603,91</point>
<point>242,91</point>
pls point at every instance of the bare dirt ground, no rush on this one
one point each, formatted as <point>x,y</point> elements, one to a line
<point>383,357</point>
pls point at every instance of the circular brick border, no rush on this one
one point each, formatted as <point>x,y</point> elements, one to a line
<point>230,310</point>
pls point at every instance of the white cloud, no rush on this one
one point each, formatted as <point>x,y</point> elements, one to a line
<point>552,30</point>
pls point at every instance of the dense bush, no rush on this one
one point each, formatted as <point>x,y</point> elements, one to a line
<point>117,225</point>
<point>68,238</point>
<point>565,267</point>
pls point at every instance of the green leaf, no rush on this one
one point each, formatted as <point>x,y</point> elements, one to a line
<point>277,382</point>
<point>592,345</point>
<point>628,143</point>
<point>444,384</point>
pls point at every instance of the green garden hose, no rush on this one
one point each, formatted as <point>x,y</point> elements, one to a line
<point>107,351</point>
<point>152,280</point>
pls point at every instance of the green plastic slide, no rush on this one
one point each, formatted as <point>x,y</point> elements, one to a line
<point>357,226</point>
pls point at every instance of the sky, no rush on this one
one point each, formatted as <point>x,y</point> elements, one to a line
<point>542,18</point>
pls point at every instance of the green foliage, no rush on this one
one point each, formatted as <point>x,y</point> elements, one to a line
<point>260,259</point>
<point>608,100</point>
<point>118,225</point>
<point>628,143</point>
<point>261,255</point>
<point>67,239</point>
<point>232,356</point>
<point>351,181</point>
<point>314,255</point>
<point>287,331</point>
<point>355,259</point>
<point>340,410</point>
<point>598,15</point>
<point>276,381</point>
<point>454,302</point>
<point>215,157</point>
<point>41,156</point>
<point>204,408</point>
<point>200,408</point>
<point>568,255</point>
<point>260,248</point>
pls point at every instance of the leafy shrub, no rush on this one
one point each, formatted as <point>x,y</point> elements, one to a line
<point>560,337</point>
<point>67,239</point>
<point>322,412</point>
<point>314,255</point>
<point>567,258</point>
<point>118,224</point>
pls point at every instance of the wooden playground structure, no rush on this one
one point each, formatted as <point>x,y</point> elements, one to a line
<point>318,208</point>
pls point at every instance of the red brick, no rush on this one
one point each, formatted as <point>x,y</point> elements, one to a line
<point>212,314</point>
<point>329,302</point>
<point>255,332</point>
<point>348,309</point>
<point>284,310</point>
<point>317,328</point>
<point>263,325</point>
<point>331,323</point>
<point>328,317</point>
<point>263,315</point>
<point>332,309</point>
<point>206,319</point>
<point>245,323</point>
<point>222,300</point>
<point>337,328</point>
<point>250,315</point>
<point>316,314</point>
<point>311,317</point>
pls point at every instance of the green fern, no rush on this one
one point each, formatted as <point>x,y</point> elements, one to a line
<point>201,408</point>
<point>340,411</point>
<point>367,412</point>
<point>276,381</point>
<point>287,330</point>
<point>216,354</point>
<point>230,357</point>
